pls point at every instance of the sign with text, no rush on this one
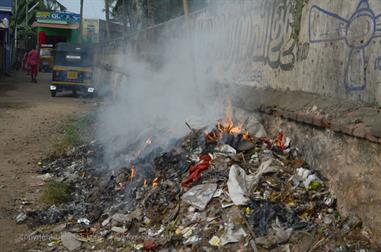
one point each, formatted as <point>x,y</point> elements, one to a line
<point>58,17</point>
<point>90,31</point>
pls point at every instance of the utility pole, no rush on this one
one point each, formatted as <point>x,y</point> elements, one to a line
<point>124,13</point>
<point>80,24</point>
<point>26,12</point>
<point>16,13</point>
<point>186,8</point>
<point>107,10</point>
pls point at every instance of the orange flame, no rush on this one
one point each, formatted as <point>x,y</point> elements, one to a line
<point>212,136</point>
<point>155,182</point>
<point>228,126</point>
<point>133,172</point>
<point>228,122</point>
<point>145,183</point>
<point>246,136</point>
<point>219,127</point>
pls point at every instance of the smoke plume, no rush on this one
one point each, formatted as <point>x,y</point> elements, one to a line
<point>169,82</point>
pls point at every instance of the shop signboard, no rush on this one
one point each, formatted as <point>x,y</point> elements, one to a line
<point>57,17</point>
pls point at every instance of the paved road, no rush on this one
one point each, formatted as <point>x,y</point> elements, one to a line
<point>30,121</point>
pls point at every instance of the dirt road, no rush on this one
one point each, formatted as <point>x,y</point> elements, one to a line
<point>30,121</point>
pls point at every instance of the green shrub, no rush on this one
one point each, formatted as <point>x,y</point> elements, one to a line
<point>55,192</point>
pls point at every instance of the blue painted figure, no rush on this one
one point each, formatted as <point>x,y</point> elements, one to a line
<point>357,32</point>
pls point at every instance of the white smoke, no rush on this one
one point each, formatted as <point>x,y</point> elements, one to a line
<point>156,99</point>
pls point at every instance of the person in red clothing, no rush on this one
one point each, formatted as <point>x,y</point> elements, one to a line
<point>33,61</point>
<point>27,66</point>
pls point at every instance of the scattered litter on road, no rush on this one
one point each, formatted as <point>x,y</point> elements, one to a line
<point>20,218</point>
<point>69,240</point>
<point>199,195</point>
<point>230,188</point>
<point>83,221</point>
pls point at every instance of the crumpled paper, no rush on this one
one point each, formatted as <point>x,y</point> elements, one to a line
<point>199,195</point>
<point>240,184</point>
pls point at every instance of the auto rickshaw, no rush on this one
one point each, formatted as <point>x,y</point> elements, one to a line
<point>46,58</point>
<point>72,69</point>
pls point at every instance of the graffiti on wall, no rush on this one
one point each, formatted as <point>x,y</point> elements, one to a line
<point>377,64</point>
<point>260,32</point>
<point>357,32</point>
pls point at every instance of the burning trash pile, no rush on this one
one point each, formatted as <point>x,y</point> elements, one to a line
<point>231,188</point>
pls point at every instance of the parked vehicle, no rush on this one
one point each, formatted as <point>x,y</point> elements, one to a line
<point>72,69</point>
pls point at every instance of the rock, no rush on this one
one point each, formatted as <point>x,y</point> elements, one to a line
<point>20,218</point>
<point>245,145</point>
<point>120,218</point>
<point>126,218</point>
<point>59,228</point>
<point>70,241</point>
<point>105,222</point>
<point>45,177</point>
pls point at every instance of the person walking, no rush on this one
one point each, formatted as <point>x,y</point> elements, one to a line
<point>24,62</point>
<point>33,59</point>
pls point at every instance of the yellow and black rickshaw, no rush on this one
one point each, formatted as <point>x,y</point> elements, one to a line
<point>72,69</point>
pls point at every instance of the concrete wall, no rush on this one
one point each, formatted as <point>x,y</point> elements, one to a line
<point>336,53</point>
<point>351,166</point>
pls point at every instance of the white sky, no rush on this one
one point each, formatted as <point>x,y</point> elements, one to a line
<point>91,8</point>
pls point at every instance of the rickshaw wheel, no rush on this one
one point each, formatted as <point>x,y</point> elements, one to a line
<point>53,93</point>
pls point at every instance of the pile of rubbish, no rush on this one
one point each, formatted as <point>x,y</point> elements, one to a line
<point>231,188</point>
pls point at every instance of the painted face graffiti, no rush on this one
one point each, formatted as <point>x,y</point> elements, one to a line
<point>357,31</point>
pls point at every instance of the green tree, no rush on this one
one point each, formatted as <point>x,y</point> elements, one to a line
<point>139,14</point>
<point>24,21</point>
<point>20,16</point>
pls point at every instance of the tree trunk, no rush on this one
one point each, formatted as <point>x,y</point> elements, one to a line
<point>107,9</point>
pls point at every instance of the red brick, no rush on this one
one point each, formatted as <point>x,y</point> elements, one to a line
<point>335,126</point>
<point>277,112</point>
<point>286,114</point>
<point>293,116</point>
<point>325,123</point>
<point>359,130</point>
<point>317,120</point>
<point>299,117</point>
<point>347,129</point>
<point>308,118</point>
<point>369,136</point>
